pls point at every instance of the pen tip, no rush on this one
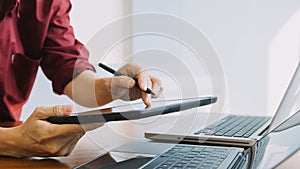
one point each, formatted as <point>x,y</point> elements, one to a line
<point>150,92</point>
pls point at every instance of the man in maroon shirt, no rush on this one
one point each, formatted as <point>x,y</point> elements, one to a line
<point>38,33</point>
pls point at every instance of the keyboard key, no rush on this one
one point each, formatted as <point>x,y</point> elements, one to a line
<point>192,157</point>
<point>185,149</point>
<point>156,162</point>
<point>165,166</point>
<point>179,165</point>
<point>234,126</point>
<point>192,165</point>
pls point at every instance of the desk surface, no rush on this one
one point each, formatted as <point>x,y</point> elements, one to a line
<point>85,151</point>
<point>91,146</point>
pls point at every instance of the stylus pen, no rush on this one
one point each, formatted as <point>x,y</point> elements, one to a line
<point>116,73</point>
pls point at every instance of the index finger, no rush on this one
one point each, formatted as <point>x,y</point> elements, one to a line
<point>145,83</point>
<point>64,129</point>
<point>143,80</point>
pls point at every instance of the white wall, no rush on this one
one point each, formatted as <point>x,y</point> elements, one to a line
<point>257,42</point>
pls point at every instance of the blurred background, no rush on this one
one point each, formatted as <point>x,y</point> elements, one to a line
<point>257,43</point>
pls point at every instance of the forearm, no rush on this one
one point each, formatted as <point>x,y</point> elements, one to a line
<point>9,142</point>
<point>89,90</point>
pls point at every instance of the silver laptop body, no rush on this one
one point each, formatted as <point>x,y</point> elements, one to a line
<point>176,133</point>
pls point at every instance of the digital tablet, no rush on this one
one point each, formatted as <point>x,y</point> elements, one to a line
<point>132,111</point>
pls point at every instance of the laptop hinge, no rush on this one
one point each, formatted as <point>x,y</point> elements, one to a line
<point>262,133</point>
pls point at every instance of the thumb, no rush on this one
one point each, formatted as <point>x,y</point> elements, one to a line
<point>45,112</point>
<point>123,81</point>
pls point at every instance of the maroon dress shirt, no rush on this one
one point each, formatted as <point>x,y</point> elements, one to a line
<point>36,33</point>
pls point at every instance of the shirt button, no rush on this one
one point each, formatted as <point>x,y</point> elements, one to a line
<point>12,58</point>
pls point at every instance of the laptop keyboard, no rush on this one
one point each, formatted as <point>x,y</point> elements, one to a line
<point>190,157</point>
<point>235,126</point>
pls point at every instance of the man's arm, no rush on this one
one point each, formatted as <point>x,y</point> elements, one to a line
<point>8,142</point>
<point>65,63</point>
<point>89,90</point>
<point>63,57</point>
<point>83,88</point>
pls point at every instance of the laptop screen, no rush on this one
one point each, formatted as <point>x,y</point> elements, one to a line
<point>290,102</point>
<point>278,145</point>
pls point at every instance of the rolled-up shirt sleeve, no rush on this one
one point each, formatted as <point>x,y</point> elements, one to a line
<point>63,57</point>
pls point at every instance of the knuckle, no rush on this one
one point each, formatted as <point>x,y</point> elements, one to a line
<point>57,109</point>
<point>156,81</point>
<point>54,150</point>
<point>39,109</point>
<point>38,112</point>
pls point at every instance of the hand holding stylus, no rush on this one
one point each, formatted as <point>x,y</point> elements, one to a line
<point>137,82</point>
<point>116,73</point>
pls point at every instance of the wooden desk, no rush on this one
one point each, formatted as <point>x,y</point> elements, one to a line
<point>84,151</point>
<point>87,149</point>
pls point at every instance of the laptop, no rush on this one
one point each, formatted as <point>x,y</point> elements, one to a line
<point>234,130</point>
<point>143,154</point>
<point>277,146</point>
<point>197,156</point>
<point>269,152</point>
